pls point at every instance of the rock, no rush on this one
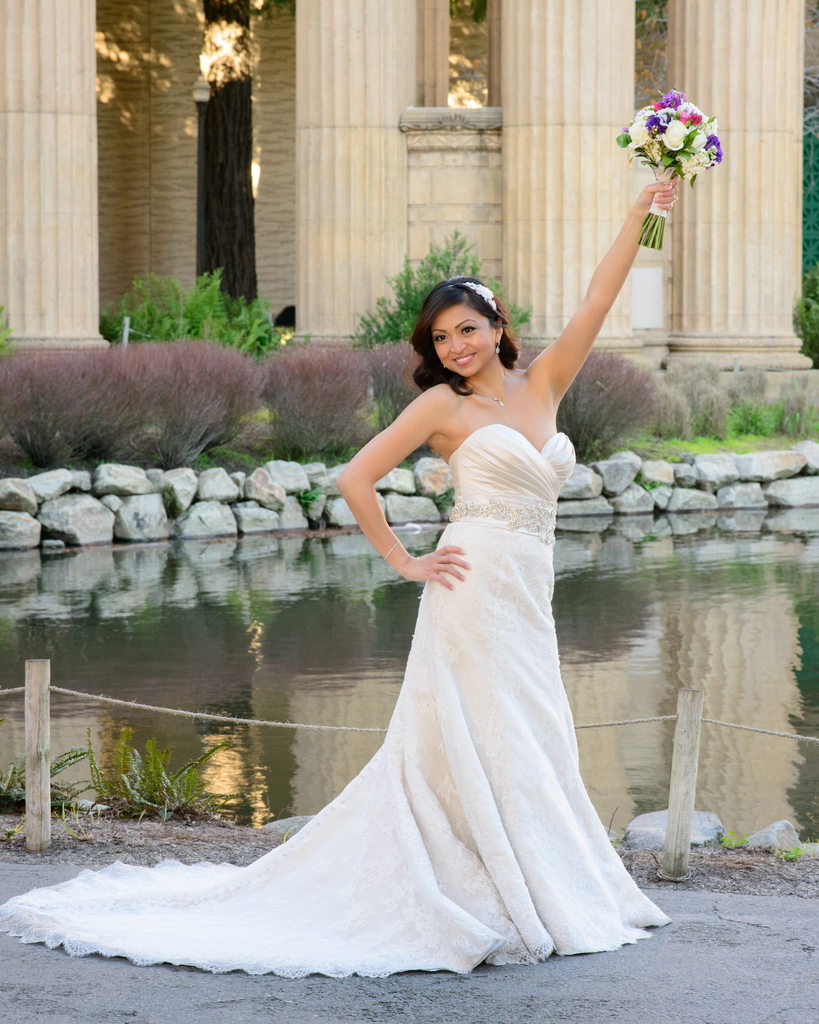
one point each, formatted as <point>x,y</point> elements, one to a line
<point>112,501</point>
<point>661,496</point>
<point>432,477</point>
<point>251,517</point>
<point>315,509</point>
<point>261,488</point>
<point>113,478</point>
<point>647,831</point>
<point>715,471</point>
<point>77,519</point>
<point>82,480</point>
<point>685,499</point>
<point>402,481</point>
<point>284,828</point>
<point>16,495</point>
<point>157,478</point>
<point>53,484</point>
<point>205,519</point>
<point>52,545</point>
<point>591,507</point>
<point>657,471</point>
<point>798,493</point>
<point>779,836</point>
<point>18,531</point>
<point>684,475</point>
<point>141,517</point>
<point>216,485</point>
<point>617,474</point>
<point>292,515</point>
<point>178,490</point>
<point>401,508</point>
<point>810,449</point>
<point>738,495</point>
<point>317,474</point>
<point>583,483</point>
<point>633,500</point>
<point>238,477</point>
<point>628,456</point>
<point>337,512</point>
<point>763,467</point>
<point>289,475</point>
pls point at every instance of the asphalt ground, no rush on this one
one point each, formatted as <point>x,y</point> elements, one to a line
<point>725,959</point>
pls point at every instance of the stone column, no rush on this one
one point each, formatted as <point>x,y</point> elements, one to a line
<point>494,30</point>
<point>737,237</point>
<point>355,75</point>
<point>568,88</point>
<point>48,173</point>
<point>433,53</point>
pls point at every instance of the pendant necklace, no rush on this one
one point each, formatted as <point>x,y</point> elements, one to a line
<point>492,398</point>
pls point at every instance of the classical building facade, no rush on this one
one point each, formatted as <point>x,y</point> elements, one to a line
<point>360,162</point>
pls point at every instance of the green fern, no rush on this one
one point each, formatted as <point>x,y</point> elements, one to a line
<point>63,794</point>
<point>141,784</point>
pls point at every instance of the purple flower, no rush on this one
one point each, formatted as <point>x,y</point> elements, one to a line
<point>656,125</point>
<point>671,99</point>
<point>712,144</point>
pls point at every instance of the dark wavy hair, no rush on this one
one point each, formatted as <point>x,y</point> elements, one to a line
<point>430,370</point>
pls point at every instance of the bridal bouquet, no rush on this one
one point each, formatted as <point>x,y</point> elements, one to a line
<point>677,140</point>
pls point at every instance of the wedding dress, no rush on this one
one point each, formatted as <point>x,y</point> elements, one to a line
<point>469,837</point>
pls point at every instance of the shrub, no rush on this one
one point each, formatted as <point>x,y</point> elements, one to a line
<point>196,395</point>
<point>161,310</point>
<point>317,398</point>
<point>709,403</point>
<point>139,785</point>
<point>806,314</point>
<point>393,319</point>
<point>13,781</point>
<point>5,334</point>
<point>799,415</point>
<point>672,417</point>
<point>609,399</point>
<point>391,381</point>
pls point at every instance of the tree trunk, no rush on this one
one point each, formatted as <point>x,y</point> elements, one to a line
<point>230,241</point>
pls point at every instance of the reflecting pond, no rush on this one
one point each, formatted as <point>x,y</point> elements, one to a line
<point>317,630</point>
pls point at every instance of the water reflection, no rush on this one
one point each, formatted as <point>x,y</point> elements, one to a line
<point>318,630</point>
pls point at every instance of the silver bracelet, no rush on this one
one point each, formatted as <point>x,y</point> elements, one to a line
<point>395,545</point>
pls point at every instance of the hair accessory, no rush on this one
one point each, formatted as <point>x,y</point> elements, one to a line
<point>481,289</point>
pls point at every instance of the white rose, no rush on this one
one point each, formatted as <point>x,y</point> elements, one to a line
<point>698,141</point>
<point>675,135</point>
<point>639,135</point>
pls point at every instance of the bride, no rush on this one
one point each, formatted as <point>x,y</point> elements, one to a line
<point>469,837</point>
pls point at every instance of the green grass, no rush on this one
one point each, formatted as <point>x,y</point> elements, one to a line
<point>649,447</point>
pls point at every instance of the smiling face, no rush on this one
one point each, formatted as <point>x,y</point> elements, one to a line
<point>464,339</point>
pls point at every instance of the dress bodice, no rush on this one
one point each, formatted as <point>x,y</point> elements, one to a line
<point>497,461</point>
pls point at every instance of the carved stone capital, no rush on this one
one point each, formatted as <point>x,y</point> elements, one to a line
<point>450,128</point>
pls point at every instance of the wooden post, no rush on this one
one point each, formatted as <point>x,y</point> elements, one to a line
<point>38,755</point>
<point>683,786</point>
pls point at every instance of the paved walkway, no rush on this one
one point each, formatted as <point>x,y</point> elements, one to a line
<point>725,960</point>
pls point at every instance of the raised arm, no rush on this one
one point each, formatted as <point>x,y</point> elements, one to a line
<point>554,369</point>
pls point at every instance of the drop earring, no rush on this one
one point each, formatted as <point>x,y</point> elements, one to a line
<point>497,349</point>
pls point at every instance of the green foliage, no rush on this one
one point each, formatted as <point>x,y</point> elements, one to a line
<point>13,781</point>
<point>806,315</point>
<point>794,853</point>
<point>306,499</point>
<point>138,785</point>
<point>5,334</point>
<point>733,840</point>
<point>477,9</point>
<point>161,310</point>
<point>752,417</point>
<point>393,319</point>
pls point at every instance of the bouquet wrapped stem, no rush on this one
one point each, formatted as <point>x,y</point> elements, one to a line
<point>653,230</point>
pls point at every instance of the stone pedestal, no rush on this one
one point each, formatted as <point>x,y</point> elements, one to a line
<point>48,174</point>
<point>737,236</point>
<point>568,88</point>
<point>355,75</point>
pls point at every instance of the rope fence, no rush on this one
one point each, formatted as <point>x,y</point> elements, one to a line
<point>682,788</point>
<point>206,717</point>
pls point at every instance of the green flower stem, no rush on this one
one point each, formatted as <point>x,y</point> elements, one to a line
<point>652,231</point>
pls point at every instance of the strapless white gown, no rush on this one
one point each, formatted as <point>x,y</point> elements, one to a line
<point>469,836</point>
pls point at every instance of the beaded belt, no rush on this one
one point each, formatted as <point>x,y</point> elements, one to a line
<point>537,518</point>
